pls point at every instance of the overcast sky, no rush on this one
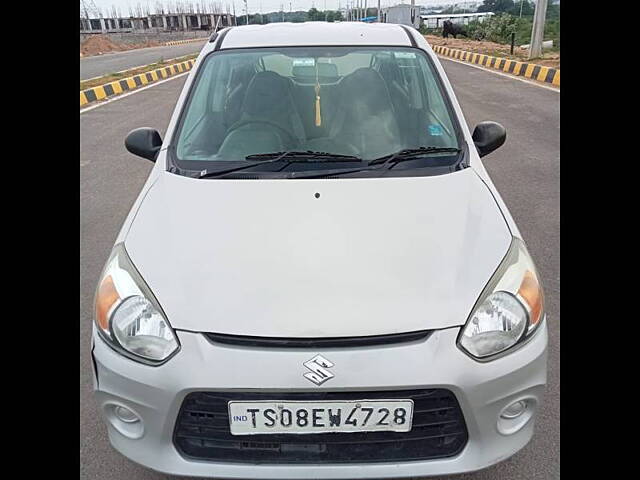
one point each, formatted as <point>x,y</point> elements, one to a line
<point>256,5</point>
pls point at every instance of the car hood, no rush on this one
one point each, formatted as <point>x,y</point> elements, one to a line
<point>272,258</point>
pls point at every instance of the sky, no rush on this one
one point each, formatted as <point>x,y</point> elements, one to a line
<point>256,5</point>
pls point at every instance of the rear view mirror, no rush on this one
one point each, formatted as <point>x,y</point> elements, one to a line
<point>144,142</point>
<point>488,136</point>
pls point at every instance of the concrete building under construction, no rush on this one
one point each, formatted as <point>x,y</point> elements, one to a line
<point>157,22</point>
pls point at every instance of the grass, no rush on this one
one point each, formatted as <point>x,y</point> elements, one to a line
<point>112,77</point>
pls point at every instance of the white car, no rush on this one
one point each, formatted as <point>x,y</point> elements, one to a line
<point>319,279</point>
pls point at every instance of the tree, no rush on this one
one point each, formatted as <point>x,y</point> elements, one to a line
<point>527,8</point>
<point>553,12</point>
<point>497,6</point>
<point>313,15</point>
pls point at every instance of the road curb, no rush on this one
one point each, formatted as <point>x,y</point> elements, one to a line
<point>514,67</point>
<point>180,42</point>
<point>117,87</point>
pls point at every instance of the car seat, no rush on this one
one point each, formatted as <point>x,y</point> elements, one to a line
<point>268,119</point>
<point>366,117</point>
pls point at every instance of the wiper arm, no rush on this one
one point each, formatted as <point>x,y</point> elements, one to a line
<point>378,163</point>
<point>296,156</point>
<point>337,157</point>
<point>411,154</point>
<point>292,156</point>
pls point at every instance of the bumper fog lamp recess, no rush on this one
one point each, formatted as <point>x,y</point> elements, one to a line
<point>124,420</point>
<point>514,410</point>
<point>125,415</point>
<point>515,416</point>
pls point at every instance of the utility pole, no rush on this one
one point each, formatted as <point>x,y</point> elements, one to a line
<point>537,32</point>
<point>246,9</point>
<point>379,11</point>
<point>413,6</point>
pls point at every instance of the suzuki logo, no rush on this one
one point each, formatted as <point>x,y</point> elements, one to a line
<point>319,373</point>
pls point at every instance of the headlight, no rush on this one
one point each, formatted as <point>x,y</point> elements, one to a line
<point>127,314</point>
<point>509,309</point>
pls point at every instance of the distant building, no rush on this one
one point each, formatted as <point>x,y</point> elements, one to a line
<point>454,7</point>
<point>436,20</point>
<point>158,22</point>
<point>403,14</point>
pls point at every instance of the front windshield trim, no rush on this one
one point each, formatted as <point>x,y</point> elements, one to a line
<point>173,162</point>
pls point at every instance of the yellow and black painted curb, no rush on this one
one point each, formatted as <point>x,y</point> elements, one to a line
<point>514,67</point>
<point>191,40</point>
<point>131,83</point>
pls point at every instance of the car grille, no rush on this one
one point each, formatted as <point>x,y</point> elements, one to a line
<point>322,342</point>
<point>438,431</point>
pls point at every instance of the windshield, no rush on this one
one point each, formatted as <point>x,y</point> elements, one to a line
<point>363,102</point>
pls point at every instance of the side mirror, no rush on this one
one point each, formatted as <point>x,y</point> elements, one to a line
<point>144,142</point>
<point>488,136</point>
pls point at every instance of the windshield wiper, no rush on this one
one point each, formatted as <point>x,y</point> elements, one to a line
<point>306,154</point>
<point>411,154</point>
<point>291,156</point>
<point>378,163</point>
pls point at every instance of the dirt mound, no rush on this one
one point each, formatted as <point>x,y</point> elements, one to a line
<point>99,44</point>
<point>549,59</point>
<point>478,46</point>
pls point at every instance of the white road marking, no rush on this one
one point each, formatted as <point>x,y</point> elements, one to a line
<point>498,72</point>
<point>123,95</point>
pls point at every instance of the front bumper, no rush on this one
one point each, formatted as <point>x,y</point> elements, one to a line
<point>483,390</point>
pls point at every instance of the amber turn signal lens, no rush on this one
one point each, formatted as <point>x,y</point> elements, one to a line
<point>107,297</point>
<point>531,292</point>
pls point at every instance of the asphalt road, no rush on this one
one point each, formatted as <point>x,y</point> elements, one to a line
<point>98,65</point>
<point>526,171</point>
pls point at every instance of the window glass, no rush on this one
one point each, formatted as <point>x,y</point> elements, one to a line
<point>360,101</point>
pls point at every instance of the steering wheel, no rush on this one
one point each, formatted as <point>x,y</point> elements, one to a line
<point>287,133</point>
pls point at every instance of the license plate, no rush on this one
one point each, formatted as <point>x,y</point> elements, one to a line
<point>300,417</point>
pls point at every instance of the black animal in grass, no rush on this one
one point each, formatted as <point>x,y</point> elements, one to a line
<point>450,28</point>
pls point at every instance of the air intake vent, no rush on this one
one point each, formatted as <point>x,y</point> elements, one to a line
<point>438,431</point>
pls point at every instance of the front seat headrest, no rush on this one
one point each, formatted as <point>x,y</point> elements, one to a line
<point>268,95</point>
<point>367,87</point>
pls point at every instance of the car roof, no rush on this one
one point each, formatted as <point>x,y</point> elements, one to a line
<point>313,33</point>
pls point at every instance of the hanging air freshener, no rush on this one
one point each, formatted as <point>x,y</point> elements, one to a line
<point>318,116</point>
